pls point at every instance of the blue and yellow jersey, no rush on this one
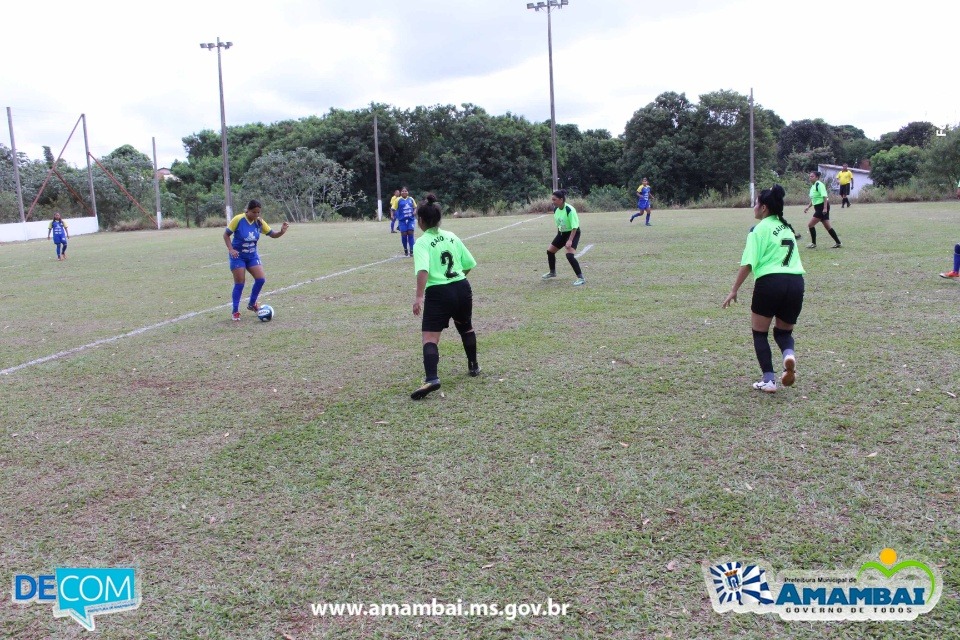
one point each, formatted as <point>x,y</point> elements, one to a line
<point>246,233</point>
<point>643,191</point>
<point>59,228</point>
<point>406,207</point>
<point>443,256</point>
<point>393,203</point>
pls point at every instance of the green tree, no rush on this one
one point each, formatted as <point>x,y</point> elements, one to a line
<point>896,166</point>
<point>720,131</point>
<point>592,160</point>
<point>940,164</point>
<point>807,135</point>
<point>913,134</point>
<point>307,184</point>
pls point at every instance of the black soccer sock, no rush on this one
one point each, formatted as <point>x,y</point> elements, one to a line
<point>431,358</point>
<point>784,339</point>
<point>813,235</point>
<point>762,346</point>
<point>576,265</point>
<point>552,261</point>
<point>470,346</point>
<point>833,234</point>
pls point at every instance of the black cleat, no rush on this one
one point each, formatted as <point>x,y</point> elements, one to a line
<point>474,369</point>
<point>425,390</point>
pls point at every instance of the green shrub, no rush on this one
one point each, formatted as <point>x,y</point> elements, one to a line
<point>135,224</point>
<point>610,198</point>
<point>545,205</point>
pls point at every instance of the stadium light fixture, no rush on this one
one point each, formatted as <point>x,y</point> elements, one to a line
<point>539,6</point>
<point>228,197</point>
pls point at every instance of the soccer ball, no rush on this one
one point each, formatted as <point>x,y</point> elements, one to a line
<point>265,314</point>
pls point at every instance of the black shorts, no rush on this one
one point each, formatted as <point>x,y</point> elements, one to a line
<point>819,213</point>
<point>845,189</point>
<point>561,240</point>
<point>778,295</point>
<point>441,302</point>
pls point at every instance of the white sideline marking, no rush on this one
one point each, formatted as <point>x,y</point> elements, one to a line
<point>193,314</point>
<point>585,249</point>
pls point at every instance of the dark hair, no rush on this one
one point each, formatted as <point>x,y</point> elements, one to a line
<point>816,173</point>
<point>772,198</point>
<point>561,193</point>
<point>253,204</point>
<point>429,212</point>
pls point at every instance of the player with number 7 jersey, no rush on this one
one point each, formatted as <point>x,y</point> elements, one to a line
<point>442,262</point>
<point>771,256</point>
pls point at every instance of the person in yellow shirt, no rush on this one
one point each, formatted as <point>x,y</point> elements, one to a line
<point>393,209</point>
<point>845,178</point>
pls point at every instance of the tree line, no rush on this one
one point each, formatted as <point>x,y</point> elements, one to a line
<point>320,166</point>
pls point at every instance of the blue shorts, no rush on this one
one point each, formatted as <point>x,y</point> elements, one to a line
<point>245,261</point>
<point>642,204</point>
<point>60,240</point>
<point>405,224</point>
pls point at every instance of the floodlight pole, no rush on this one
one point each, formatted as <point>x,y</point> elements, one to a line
<point>156,185</point>
<point>753,187</point>
<point>376,163</point>
<point>539,6</point>
<point>16,166</point>
<point>228,197</point>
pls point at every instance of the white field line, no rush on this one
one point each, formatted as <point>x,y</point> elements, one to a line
<point>193,314</point>
<point>585,249</point>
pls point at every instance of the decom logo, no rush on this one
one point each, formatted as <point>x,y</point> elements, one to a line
<point>81,593</point>
<point>885,590</point>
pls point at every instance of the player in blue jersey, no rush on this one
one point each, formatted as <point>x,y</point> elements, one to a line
<point>245,230</point>
<point>643,201</point>
<point>406,219</point>
<point>60,235</point>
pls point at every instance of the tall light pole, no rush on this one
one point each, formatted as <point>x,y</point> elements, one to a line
<point>539,6</point>
<point>223,124</point>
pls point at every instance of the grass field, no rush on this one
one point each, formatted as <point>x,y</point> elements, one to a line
<point>611,445</point>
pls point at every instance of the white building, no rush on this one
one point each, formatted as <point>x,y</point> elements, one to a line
<point>828,174</point>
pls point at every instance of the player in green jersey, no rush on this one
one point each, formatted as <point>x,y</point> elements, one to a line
<point>568,236</point>
<point>771,255</point>
<point>442,262</point>
<point>820,201</point>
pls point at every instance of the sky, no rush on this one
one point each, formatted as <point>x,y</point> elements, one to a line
<point>138,73</point>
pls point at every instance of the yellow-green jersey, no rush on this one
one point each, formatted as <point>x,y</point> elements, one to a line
<point>818,193</point>
<point>443,256</point>
<point>845,177</point>
<point>771,248</point>
<point>566,219</point>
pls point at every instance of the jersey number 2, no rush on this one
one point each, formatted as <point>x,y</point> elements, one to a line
<point>787,242</point>
<point>447,258</point>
